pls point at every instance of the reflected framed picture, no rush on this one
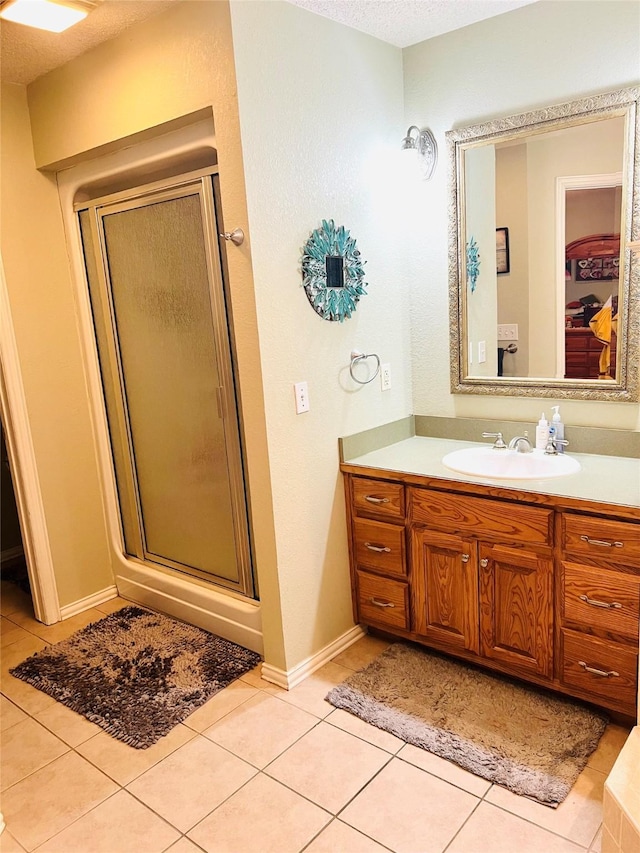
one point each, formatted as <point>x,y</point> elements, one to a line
<point>605,269</point>
<point>502,251</point>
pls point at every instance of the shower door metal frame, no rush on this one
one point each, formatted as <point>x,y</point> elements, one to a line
<point>199,184</point>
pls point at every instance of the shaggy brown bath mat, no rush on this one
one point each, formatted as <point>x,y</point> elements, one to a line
<point>526,740</point>
<point>135,673</point>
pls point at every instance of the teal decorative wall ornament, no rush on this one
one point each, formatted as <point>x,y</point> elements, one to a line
<point>332,271</point>
<point>473,263</point>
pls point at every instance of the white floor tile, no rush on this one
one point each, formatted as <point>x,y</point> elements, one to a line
<point>328,766</point>
<point>119,825</point>
<point>340,838</point>
<point>577,818</point>
<point>261,729</point>
<point>262,816</point>
<point>191,782</point>
<point>444,769</point>
<point>52,798</point>
<point>408,810</point>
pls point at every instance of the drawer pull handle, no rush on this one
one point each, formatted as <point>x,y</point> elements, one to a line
<point>609,605</point>
<point>601,672</point>
<point>602,542</point>
<point>374,500</point>
<point>464,558</point>
<point>377,603</point>
<point>380,549</point>
<point>484,562</point>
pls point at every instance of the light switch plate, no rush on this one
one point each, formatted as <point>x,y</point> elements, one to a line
<point>302,397</point>
<point>507,331</point>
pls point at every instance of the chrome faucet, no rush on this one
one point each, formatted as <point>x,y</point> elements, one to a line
<point>498,444</point>
<point>552,447</point>
<point>521,444</point>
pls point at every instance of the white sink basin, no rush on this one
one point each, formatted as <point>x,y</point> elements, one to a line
<point>510,465</point>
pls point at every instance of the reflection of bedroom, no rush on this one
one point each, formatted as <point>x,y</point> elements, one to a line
<point>592,279</point>
<point>592,264</point>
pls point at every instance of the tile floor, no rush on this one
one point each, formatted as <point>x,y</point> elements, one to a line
<point>256,769</point>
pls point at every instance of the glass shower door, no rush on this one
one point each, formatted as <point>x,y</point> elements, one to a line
<point>159,310</point>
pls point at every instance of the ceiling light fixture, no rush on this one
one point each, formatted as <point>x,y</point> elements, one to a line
<point>421,145</point>
<point>52,15</point>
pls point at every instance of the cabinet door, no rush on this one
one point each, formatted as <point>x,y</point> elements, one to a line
<point>445,588</point>
<point>516,608</point>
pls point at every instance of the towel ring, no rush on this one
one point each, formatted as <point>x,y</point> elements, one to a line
<point>357,356</point>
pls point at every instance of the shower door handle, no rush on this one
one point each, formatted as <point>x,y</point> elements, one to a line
<point>236,236</point>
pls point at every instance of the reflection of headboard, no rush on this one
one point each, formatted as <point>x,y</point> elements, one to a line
<point>594,246</point>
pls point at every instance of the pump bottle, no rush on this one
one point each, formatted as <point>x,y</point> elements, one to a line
<point>542,433</point>
<point>558,426</point>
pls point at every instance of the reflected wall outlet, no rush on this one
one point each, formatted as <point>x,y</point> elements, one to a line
<point>482,352</point>
<point>302,397</point>
<point>385,377</point>
<point>508,332</point>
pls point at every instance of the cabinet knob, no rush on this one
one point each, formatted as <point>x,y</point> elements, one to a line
<point>465,558</point>
<point>377,603</point>
<point>484,562</point>
<point>374,500</point>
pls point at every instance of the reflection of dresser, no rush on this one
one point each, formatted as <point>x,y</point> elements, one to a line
<point>582,354</point>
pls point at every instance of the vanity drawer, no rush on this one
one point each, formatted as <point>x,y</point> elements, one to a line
<point>382,601</point>
<point>489,519</point>
<point>378,499</point>
<point>379,547</point>
<point>605,600</point>
<point>603,669</point>
<point>615,541</point>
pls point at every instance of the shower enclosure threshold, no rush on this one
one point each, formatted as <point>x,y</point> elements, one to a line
<point>225,614</point>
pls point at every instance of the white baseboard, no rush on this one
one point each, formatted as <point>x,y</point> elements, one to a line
<point>289,678</point>
<point>88,602</point>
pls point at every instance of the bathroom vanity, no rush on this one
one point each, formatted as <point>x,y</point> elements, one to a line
<point>535,579</point>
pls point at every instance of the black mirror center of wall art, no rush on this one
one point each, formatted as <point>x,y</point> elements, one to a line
<point>334,265</point>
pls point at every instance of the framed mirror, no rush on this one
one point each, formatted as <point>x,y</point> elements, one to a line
<point>544,286</point>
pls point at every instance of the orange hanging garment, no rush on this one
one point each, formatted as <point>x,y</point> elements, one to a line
<point>602,325</point>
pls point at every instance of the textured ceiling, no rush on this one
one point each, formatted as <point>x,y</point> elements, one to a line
<point>406,22</point>
<point>27,53</point>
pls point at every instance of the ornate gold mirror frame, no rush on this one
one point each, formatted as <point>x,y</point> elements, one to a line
<point>625,387</point>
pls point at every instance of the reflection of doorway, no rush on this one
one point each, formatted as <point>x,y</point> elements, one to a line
<point>585,205</point>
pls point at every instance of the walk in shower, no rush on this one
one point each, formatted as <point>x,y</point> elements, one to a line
<point>160,314</point>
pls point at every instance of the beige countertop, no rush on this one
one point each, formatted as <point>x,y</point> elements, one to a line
<point>606,479</point>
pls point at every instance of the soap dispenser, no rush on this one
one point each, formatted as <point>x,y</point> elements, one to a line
<point>542,433</point>
<point>558,428</point>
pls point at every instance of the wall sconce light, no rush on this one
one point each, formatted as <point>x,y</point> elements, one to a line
<point>52,15</point>
<point>421,145</point>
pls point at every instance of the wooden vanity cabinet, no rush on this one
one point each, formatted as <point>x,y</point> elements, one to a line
<point>516,612</point>
<point>599,608</point>
<point>484,581</point>
<point>445,588</point>
<point>378,557</point>
<point>518,582</point>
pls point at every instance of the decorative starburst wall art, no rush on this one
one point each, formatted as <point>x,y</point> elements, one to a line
<point>332,271</point>
<point>473,263</point>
